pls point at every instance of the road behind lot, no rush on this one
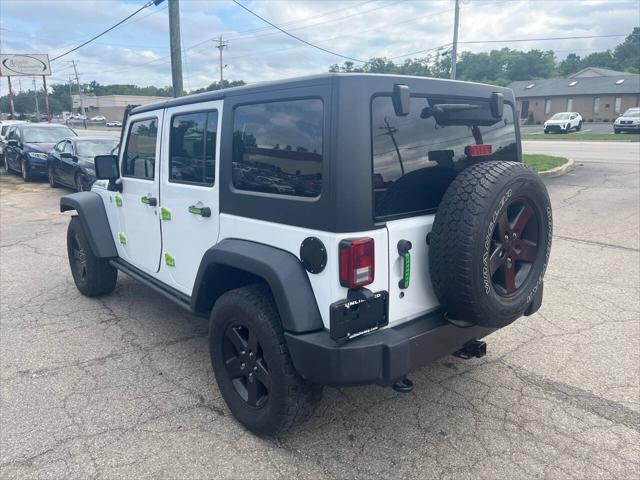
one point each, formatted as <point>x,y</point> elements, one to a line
<point>586,128</point>
<point>122,387</point>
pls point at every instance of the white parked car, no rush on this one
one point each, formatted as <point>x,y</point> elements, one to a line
<point>629,121</point>
<point>114,123</point>
<point>98,118</point>
<point>564,122</point>
<point>4,128</point>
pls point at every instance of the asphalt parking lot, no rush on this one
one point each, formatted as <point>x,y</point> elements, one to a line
<point>122,386</point>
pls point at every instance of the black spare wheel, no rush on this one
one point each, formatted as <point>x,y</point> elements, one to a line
<point>490,243</point>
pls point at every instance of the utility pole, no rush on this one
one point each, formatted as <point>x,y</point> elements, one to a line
<point>454,50</point>
<point>84,118</point>
<point>221,46</point>
<point>391,131</point>
<point>176,53</point>
<point>35,93</point>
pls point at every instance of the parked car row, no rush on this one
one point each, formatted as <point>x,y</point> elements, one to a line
<point>564,122</point>
<point>52,151</point>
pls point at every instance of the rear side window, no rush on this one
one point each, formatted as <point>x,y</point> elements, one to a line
<point>140,151</point>
<point>277,147</point>
<point>192,147</point>
<point>415,158</point>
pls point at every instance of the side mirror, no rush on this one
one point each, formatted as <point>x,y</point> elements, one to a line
<point>106,167</point>
<point>401,100</point>
<point>497,104</point>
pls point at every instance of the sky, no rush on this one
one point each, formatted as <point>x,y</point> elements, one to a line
<point>138,51</point>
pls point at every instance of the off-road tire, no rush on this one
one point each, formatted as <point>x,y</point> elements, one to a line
<point>92,275</point>
<point>462,241</point>
<point>290,398</point>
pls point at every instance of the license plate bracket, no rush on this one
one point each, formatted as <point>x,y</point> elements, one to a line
<point>351,318</point>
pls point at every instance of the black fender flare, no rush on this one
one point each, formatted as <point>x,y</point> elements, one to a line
<point>223,267</point>
<point>93,218</point>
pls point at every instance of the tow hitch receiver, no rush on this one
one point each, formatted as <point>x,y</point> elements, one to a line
<point>473,348</point>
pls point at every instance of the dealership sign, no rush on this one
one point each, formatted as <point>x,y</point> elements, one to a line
<point>24,65</point>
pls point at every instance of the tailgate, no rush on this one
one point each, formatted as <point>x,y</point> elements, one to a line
<point>418,298</point>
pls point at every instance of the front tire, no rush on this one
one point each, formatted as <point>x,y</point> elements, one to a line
<point>78,184</point>
<point>27,176</point>
<point>252,365</point>
<point>92,275</point>
<point>579,127</point>
<point>7,168</point>
<point>52,180</point>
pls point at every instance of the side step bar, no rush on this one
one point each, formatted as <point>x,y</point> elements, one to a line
<point>172,294</point>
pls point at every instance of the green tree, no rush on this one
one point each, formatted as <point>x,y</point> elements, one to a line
<point>627,54</point>
<point>570,65</point>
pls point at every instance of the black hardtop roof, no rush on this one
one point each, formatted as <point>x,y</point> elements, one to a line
<point>308,81</point>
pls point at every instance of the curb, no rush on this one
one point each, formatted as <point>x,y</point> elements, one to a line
<point>558,171</point>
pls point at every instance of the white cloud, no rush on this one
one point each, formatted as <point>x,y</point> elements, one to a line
<point>138,53</point>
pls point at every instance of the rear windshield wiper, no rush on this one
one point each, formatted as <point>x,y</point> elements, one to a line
<point>444,108</point>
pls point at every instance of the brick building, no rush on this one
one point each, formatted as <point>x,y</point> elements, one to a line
<point>598,94</point>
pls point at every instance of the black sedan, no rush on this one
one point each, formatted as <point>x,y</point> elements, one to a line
<point>27,147</point>
<point>70,163</point>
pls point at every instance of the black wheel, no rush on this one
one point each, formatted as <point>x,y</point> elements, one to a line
<point>490,243</point>
<point>93,276</point>
<point>579,127</point>
<point>252,365</point>
<point>78,183</point>
<point>24,170</point>
<point>546,131</point>
<point>52,180</point>
<point>615,130</point>
<point>7,168</point>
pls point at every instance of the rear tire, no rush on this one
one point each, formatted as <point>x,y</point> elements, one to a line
<point>92,275</point>
<point>490,243</point>
<point>252,365</point>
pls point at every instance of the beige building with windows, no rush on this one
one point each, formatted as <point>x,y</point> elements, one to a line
<point>111,106</point>
<point>598,94</point>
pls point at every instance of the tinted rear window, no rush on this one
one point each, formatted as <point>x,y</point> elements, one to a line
<point>277,147</point>
<point>415,159</point>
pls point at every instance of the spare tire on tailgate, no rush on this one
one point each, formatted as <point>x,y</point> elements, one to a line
<point>490,243</point>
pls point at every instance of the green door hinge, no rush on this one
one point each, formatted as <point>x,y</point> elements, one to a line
<point>122,238</point>
<point>169,259</point>
<point>165,213</point>
<point>118,201</point>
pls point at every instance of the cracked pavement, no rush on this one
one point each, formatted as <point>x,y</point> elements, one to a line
<point>122,386</point>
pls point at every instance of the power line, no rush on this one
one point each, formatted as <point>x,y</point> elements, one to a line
<point>296,37</point>
<point>148,4</point>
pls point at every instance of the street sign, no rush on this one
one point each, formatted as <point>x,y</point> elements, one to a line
<point>24,65</point>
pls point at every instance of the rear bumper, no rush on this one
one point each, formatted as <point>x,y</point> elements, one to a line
<point>380,358</point>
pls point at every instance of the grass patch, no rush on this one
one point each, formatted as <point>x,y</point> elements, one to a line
<point>581,137</point>
<point>540,163</point>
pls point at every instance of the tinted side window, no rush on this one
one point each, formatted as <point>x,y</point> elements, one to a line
<point>68,148</point>
<point>140,152</point>
<point>277,147</point>
<point>192,147</point>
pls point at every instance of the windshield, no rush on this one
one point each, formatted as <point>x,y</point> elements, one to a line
<point>560,116</point>
<point>46,134</point>
<point>632,113</point>
<point>416,158</point>
<point>91,148</point>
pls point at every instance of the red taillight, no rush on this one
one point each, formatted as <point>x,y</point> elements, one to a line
<point>481,150</point>
<point>357,262</point>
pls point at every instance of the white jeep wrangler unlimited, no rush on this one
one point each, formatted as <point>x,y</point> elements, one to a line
<point>336,229</point>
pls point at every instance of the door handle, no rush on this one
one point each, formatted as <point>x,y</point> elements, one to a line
<point>202,211</point>
<point>151,201</point>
